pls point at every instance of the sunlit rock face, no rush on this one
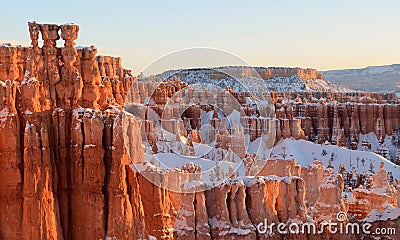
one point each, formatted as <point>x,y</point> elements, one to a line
<point>68,173</point>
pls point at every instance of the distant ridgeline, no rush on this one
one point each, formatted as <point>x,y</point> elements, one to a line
<point>243,78</point>
<point>245,71</point>
<point>371,79</point>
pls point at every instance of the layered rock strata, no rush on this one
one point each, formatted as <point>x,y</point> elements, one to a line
<point>65,168</point>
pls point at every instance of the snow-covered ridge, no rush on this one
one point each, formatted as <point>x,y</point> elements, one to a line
<point>244,79</point>
<point>372,79</point>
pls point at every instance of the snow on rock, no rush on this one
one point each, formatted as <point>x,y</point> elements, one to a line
<point>330,201</point>
<point>242,81</point>
<point>306,152</point>
<point>166,161</point>
<point>381,195</point>
<point>388,214</point>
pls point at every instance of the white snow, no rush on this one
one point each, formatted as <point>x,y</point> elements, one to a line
<point>254,83</point>
<point>89,146</point>
<point>28,112</point>
<point>389,213</point>
<point>172,160</point>
<point>305,152</point>
<point>4,113</point>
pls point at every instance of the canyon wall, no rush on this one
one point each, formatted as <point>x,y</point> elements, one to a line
<point>341,123</point>
<point>65,171</point>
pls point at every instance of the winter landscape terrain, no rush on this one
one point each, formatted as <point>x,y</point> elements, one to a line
<point>89,151</point>
<point>370,79</point>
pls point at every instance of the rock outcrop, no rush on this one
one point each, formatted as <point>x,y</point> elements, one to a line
<point>65,169</point>
<point>330,201</point>
<point>380,196</point>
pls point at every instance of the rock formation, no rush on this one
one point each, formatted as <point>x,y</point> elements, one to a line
<point>378,197</point>
<point>330,201</point>
<point>91,78</point>
<point>337,118</point>
<point>67,176</point>
<point>69,90</point>
<point>67,169</point>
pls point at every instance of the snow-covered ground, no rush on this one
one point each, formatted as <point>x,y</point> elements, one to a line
<point>305,152</point>
<point>172,160</point>
<point>375,142</point>
<point>385,215</point>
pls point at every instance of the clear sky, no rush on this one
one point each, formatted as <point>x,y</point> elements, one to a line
<point>320,34</point>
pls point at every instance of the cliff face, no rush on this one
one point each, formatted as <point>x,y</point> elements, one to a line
<point>365,79</point>
<point>65,170</point>
<point>338,123</point>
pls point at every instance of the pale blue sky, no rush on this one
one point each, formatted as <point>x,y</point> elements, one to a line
<point>319,34</point>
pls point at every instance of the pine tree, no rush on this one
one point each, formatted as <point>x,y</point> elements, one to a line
<point>383,150</point>
<point>396,137</point>
<point>397,157</point>
<point>323,153</point>
<point>371,167</point>
<point>366,144</point>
